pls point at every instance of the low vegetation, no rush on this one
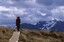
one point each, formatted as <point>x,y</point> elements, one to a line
<point>5,34</point>
<point>31,35</point>
<point>40,36</point>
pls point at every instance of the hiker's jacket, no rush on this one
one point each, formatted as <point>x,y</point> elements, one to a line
<point>18,21</point>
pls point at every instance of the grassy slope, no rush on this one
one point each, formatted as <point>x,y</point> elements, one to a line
<point>32,35</point>
<point>5,34</point>
<point>41,36</point>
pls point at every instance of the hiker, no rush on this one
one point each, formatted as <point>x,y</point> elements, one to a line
<point>18,23</point>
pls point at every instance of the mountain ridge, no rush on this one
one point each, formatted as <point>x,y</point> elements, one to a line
<point>45,25</point>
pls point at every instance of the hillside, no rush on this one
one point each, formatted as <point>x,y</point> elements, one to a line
<point>32,35</point>
<point>40,36</point>
<point>5,34</point>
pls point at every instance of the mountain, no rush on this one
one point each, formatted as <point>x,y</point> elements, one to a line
<point>38,26</point>
<point>45,25</point>
<point>28,26</point>
<point>59,26</point>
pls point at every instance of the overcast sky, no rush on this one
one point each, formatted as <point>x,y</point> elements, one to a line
<point>30,11</point>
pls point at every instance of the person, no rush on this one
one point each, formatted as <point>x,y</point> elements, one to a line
<point>18,23</point>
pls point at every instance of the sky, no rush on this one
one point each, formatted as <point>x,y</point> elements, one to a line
<point>30,11</point>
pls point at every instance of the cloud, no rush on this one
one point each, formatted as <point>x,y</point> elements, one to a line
<point>45,2</point>
<point>31,11</point>
<point>28,15</point>
<point>11,11</point>
<point>51,2</point>
<point>10,2</point>
<point>58,13</point>
<point>43,14</point>
<point>30,1</point>
<point>10,15</point>
<point>2,8</point>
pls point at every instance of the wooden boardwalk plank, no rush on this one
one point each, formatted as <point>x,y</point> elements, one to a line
<point>15,37</point>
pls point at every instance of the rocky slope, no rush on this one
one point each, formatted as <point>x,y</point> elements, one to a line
<point>41,36</point>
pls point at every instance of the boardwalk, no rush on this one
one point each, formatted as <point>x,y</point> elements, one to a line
<point>15,37</point>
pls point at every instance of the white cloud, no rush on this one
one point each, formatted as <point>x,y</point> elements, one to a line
<point>2,8</point>
<point>58,12</point>
<point>58,9</point>
<point>10,15</point>
<point>43,14</point>
<point>19,11</point>
<point>30,1</point>
<point>13,11</point>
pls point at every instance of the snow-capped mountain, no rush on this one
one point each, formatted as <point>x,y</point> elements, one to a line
<point>45,25</point>
<point>49,24</point>
<point>59,26</point>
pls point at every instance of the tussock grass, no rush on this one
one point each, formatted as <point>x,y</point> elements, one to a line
<point>5,33</point>
<point>40,36</point>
